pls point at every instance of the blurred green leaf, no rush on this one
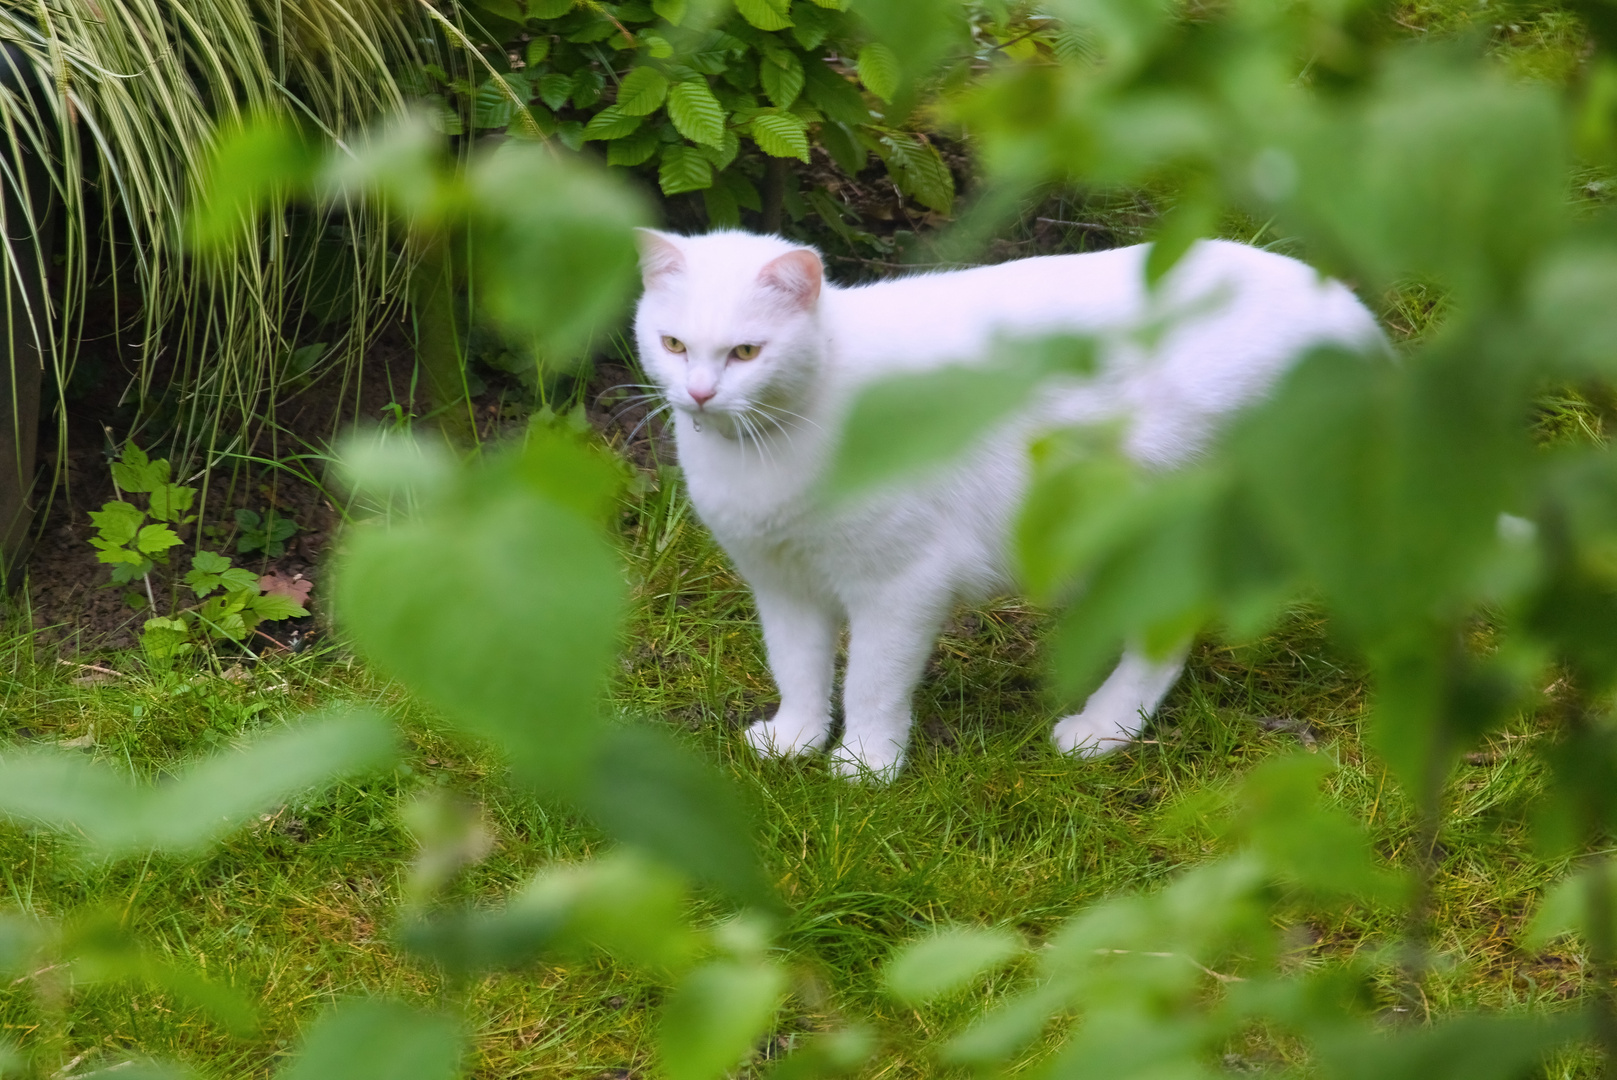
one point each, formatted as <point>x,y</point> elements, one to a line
<point>716,1014</point>
<point>1476,1047</point>
<point>263,159</point>
<point>648,790</point>
<point>1284,816</point>
<point>555,250</point>
<point>828,1054</point>
<point>509,620</point>
<point>905,424</point>
<point>947,961</point>
<point>207,800</point>
<point>623,904</point>
<point>378,1040</point>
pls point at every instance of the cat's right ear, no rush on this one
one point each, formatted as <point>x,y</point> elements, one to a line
<point>660,256</point>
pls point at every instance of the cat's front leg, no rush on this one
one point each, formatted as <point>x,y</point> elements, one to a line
<point>1115,714</point>
<point>891,634</point>
<point>801,637</point>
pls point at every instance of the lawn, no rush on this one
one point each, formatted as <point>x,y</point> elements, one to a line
<point>987,825</point>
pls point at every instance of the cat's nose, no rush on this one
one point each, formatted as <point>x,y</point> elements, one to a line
<point>702,397</point>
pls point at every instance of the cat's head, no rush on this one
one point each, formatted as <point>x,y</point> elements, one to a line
<point>729,323</point>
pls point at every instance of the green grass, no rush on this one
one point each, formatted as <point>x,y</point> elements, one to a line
<point>987,825</point>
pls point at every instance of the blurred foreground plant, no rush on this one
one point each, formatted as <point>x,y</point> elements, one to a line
<point>1404,495</point>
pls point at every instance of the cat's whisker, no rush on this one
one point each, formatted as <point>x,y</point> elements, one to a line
<point>787,412</point>
<point>626,386</point>
<point>638,400</point>
<point>628,440</point>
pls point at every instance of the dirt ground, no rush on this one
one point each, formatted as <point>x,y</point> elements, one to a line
<point>73,608</point>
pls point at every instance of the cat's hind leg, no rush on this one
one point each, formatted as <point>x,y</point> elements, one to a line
<point>801,638</point>
<point>1114,714</point>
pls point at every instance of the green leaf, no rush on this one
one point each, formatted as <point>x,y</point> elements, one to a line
<point>510,622</point>
<point>208,799</point>
<point>642,91</point>
<point>947,961</point>
<point>169,502</point>
<point>495,105</point>
<point>904,424</point>
<point>134,471</point>
<point>271,607</point>
<point>713,1018</point>
<point>1479,1047</point>
<point>844,149</point>
<point>671,10</point>
<point>153,540</point>
<point>647,790</point>
<point>117,522</point>
<point>810,27</point>
<point>251,165</point>
<point>163,639</point>
<point>683,169</point>
<point>1195,216</point>
<point>781,73</point>
<point>696,113</point>
<point>723,212</point>
<point>622,903</point>
<point>204,575</point>
<point>1565,908</point>
<point>722,155</point>
<point>827,1054</point>
<point>588,83</point>
<point>780,134</point>
<point>554,89</point>
<point>378,1040</point>
<point>554,245</point>
<point>879,70</point>
<point>765,14</point>
<point>549,9</point>
<point>634,149</point>
<point>538,50</point>
<point>919,171</point>
<point>837,97</point>
<point>610,123</point>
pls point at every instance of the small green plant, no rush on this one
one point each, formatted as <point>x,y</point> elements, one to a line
<point>267,533</point>
<point>231,601</point>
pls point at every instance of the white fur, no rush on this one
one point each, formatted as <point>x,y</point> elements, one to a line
<point>891,566</point>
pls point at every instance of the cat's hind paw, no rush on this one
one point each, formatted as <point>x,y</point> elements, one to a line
<point>787,736</point>
<point>877,761</point>
<point>1095,732</point>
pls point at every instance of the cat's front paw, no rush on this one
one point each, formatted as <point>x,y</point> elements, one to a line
<point>788,735</point>
<point>877,759</point>
<point>1094,732</point>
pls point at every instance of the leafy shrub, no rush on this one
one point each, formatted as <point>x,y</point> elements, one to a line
<point>670,92</point>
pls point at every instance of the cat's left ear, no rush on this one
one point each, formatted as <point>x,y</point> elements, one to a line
<point>796,275</point>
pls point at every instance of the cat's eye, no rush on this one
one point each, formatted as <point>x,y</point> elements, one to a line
<point>673,344</point>
<point>744,352</point>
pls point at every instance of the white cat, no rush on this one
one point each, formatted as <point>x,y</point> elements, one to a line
<point>760,358</point>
